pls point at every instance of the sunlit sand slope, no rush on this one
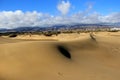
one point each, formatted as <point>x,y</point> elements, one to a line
<point>84,59</point>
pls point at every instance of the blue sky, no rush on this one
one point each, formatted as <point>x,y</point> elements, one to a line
<point>49,6</point>
<point>24,13</point>
<point>29,5</point>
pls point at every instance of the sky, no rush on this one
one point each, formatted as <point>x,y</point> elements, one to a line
<point>30,13</point>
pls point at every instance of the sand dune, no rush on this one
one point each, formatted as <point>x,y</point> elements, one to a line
<point>60,37</point>
<point>7,40</point>
<point>43,60</point>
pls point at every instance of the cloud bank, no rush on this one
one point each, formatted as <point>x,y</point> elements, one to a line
<point>18,18</point>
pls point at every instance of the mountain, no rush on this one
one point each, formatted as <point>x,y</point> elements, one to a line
<point>59,27</point>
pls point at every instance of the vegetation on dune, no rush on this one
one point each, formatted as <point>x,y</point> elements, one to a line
<point>113,31</point>
<point>51,32</point>
<point>92,37</point>
<point>13,35</point>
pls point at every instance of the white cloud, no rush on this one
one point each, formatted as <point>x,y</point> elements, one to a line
<point>18,18</point>
<point>90,6</point>
<point>64,7</point>
<point>112,18</point>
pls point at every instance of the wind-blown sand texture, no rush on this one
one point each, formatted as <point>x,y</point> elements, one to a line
<point>85,58</point>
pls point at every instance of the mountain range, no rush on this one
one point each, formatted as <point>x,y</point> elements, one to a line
<point>59,27</point>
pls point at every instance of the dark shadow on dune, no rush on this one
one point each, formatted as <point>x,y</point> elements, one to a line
<point>64,51</point>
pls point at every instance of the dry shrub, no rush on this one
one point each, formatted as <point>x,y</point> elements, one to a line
<point>13,35</point>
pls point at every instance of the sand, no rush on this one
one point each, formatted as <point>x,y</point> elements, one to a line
<point>40,59</point>
<point>60,37</point>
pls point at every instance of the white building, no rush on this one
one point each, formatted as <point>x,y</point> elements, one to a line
<point>115,29</point>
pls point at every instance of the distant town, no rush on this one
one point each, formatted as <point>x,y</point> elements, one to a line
<point>56,29</point>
